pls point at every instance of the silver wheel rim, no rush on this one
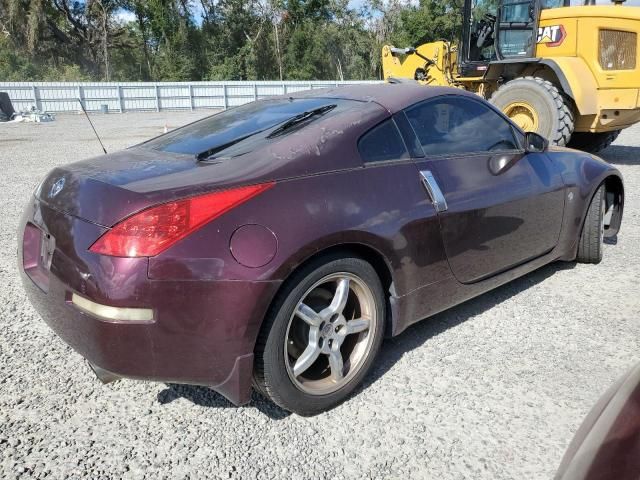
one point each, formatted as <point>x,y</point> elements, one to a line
<point>330,333</point>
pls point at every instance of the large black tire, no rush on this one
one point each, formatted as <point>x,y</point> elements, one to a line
<point>272,369</point>
<point>554,111</point>
<point>6,108</point>
<point>592,236</point>
<point>593,142</point>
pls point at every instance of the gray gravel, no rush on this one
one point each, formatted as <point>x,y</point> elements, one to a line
<point>492,389</point>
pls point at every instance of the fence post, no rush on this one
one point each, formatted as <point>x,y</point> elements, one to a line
<point>80,98</point>
<point>36,97</point>
<point>120,99</point>
<point>191,96</point>
<point>157,98</point>
<point>224,96</point>
<point>255,92</point>
<point>284,88</point>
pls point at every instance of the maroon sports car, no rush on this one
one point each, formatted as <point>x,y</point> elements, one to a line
<point>607,444</point>
<point>276,243</point>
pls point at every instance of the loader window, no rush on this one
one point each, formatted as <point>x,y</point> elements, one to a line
<point>519,12</point>
<point>454,125</point>
<point>515,43</point>
<point>481,38</point>
<point>483,7</point>
<point>553,3</point>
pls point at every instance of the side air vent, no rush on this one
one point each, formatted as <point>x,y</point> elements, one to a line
<point>618,50</point>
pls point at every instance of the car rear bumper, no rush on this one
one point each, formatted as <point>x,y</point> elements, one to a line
<point>202,332</point>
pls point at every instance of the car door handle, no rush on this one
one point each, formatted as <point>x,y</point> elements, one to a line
<point>437,197</point>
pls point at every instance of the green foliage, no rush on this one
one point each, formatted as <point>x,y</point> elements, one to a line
<point>176,40</point>
<point>307,56</point>
<point>17,67</point>
<point>442,18</point>
<point>65,73</point>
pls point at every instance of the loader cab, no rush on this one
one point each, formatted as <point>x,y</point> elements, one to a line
<point>499,30</point>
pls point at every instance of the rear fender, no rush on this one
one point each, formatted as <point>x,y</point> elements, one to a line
<point>359,244</point>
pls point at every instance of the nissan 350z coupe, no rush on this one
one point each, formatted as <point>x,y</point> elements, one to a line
<point>275,244</point>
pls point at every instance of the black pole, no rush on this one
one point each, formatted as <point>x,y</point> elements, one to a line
<point>94,128</point>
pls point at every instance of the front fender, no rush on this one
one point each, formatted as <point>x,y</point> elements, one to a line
<point>576,80</point>
<point>582,174</point>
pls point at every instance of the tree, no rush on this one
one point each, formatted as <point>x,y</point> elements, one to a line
<point>211,39</point>
<point>428,21</point>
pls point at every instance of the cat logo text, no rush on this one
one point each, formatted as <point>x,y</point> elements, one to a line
<point>551,36</point>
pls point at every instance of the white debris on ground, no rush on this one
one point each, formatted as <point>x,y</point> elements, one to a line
<point>492,389</point>
<point>32,116</point>
<point>29,115</point>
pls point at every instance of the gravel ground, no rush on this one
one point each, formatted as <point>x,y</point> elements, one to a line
<point>494,388</point>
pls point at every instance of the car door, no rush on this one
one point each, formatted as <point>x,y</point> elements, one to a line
<point>392,205</point>
<point>498,205</point>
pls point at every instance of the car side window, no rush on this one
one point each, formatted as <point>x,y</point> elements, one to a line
<point>454,125</point>
<point>383,142</point>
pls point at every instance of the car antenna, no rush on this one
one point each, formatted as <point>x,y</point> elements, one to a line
<point>91,123</point>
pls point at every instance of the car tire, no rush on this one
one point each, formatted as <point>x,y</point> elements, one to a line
<point>296,355</point>
<point>536,101</point>
<point>592,142</point>
<point>592,237</point>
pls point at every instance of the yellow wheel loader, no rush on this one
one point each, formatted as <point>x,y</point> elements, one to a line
<point>570,73</point>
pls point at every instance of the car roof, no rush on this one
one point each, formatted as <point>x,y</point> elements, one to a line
<point>392,96</point>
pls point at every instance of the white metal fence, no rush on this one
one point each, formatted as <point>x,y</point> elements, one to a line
<point>145,96</point>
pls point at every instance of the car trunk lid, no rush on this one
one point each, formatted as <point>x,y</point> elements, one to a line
<point>100,189</point>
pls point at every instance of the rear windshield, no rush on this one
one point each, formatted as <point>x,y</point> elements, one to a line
<point>233,126</point>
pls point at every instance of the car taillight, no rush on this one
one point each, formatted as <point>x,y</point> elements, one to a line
<point>149,232</point>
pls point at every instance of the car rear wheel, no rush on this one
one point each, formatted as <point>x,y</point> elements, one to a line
<point>321,336</point>
<point>592,237</point>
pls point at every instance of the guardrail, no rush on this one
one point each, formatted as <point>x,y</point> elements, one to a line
<point>146,96</point>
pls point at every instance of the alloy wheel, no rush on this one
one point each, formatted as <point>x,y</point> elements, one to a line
<point>330,333</point>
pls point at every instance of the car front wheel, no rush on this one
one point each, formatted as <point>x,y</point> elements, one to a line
<point>592,237</point>
<point>321,336</point>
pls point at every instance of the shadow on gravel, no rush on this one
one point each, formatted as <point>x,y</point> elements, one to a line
<point>621,155</point>
<point>205,397</point>
<point>394,348</point>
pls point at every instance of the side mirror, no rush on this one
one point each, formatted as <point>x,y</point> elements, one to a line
<point>534,143</point>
